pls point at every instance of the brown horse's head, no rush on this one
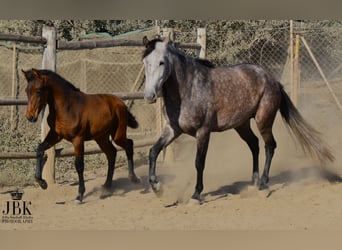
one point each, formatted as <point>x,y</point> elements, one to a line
<point>36,93</point>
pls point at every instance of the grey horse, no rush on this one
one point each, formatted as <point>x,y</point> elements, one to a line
<point>200,98</point>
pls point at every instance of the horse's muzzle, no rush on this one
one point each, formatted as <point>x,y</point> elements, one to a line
<point>150,98</point>
<point>31,118</point>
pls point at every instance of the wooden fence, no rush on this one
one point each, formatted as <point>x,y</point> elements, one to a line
<point>50,45</point>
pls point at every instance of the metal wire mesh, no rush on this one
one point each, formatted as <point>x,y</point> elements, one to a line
<point>326,46</point>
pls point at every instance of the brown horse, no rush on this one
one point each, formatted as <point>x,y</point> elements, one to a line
<point>78,117</point>
<point>200,98</point>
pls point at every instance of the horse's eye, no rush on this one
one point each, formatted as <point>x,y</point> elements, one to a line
<point>161,63</point>
<point>38,91</point>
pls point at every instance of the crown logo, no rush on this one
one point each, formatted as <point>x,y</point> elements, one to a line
<point>16,194</point>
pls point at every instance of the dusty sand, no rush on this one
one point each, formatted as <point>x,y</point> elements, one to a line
<point>302,195</point>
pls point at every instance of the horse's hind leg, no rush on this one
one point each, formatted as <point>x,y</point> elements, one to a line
<point>110,152</point>
<point>252,141</point>
<point>129,154</point>
<point>121,140</point>
<point>270,145</point>
<point>264,119</point>
<point>203,137</point>
<point>78,143</point>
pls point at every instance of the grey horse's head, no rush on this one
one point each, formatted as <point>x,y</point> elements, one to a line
<point>157,67</point>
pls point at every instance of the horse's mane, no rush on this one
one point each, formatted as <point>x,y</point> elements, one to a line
<point>203,62</point>
<point>59,78</point>
<point>152,45</point>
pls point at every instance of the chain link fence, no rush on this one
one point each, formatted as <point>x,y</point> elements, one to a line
<point>320,65</point>
<point>120,69</point>
<point>326,45</point>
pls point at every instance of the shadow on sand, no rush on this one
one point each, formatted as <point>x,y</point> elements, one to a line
<point>285,178</point>
<point>122,186</point>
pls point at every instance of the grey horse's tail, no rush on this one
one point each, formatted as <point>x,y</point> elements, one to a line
<point>308,137</point>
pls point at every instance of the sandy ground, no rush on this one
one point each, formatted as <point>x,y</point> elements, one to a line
<point>302,195</point>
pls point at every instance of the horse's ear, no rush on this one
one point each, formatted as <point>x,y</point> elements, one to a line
<point>35,74</point>
<point>24,72</point>
<point>145,41</point>
<point>27,74</point>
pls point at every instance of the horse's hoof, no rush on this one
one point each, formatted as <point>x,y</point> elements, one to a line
<point>194,202</point>
<point>79,199</point>
<point>42,183</point>
<point>134,179</point>
<point>107,186</point>
<point>157,188</point>
<point>263,186</point>
<point>255,180</point>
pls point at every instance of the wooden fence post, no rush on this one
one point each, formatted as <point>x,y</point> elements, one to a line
<point>201,40</point>
<point>84,84</point>
<point>291,58</point>
<point>14,81</point>
<point>48,62</point>
<point>296,73</point>
<point>166,31</point>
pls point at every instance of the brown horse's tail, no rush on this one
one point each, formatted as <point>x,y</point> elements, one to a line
<point>308,137</point>
<point>131,121</point>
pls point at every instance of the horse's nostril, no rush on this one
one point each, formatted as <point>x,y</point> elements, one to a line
<point>151,98</point>
<point>31,118</point>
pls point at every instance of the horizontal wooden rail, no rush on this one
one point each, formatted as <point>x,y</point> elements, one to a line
<point>67,152</point>
<point>121,95</point>
<point>87,44</point>
<point>106,43</point>
<point>25,39</point>
<point>4,102</point>
<point>92,44</point>
<point>188,45</point>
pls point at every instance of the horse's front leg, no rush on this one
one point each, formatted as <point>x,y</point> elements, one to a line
<point>203,137</point>
<point>79,165</point>
<point>50,140</point>
<point>168,135</point>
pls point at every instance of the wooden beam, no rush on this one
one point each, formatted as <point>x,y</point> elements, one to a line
<point>92,44</point>
<point>202,41</point>
<point>25,39</point>
<point>88,44</point>
<point>67,152</point>
<point>296,74</point>
<point>12,102</point>
<point>106,43</point>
